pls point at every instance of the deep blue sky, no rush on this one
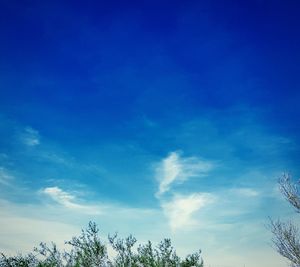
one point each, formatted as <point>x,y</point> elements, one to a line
<point>101,102</point>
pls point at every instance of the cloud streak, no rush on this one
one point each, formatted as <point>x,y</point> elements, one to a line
<point>246,192</point>
<point>5,177</point>
<point>69,201</point>
<point>30,137</point>
<point>177,169</point>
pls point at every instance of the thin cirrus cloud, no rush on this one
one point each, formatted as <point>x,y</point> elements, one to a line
<point>69,201</point>
<point>5,177</point>
<point>30,137</point>
<point>246,192</point>
<point>177,169</point>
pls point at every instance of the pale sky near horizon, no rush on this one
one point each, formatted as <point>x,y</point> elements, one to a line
<point>156,118</point>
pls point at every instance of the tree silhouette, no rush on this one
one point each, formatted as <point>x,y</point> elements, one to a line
<point>88,250</point>
<point>286,236</point>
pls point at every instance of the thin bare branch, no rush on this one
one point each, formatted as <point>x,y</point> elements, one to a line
<point>290,191</point>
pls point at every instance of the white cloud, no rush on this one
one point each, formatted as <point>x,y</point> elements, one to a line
<point>180,209</point>
<point>5,177</point>
<point>30,137</point>
<point>59,195</point>
<point>246,192</point>
<point>175,168</point>
<point>69,201</point>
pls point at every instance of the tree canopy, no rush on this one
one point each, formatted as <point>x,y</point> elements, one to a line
<point>88,250</point>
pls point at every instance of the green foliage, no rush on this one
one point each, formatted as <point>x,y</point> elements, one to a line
<point>18,261</point>
<point>87,250</point>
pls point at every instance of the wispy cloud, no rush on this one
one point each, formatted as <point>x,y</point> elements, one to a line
<point>69,201</point>
<point>181,208</point>
<point>30,137</point>
<point>175,168</point>
<point>5,177</point>
<point>245,192</point>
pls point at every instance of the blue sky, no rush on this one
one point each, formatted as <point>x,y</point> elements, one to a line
<point>157,118</point>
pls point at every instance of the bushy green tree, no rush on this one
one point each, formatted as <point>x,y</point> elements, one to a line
<point>87,250</point>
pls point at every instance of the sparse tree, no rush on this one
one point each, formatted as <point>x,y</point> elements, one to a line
<point>286,236</point>
<point>87,250</point>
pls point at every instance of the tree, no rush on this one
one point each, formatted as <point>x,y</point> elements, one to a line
<point>88,250</point>
<point>286,235</point>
